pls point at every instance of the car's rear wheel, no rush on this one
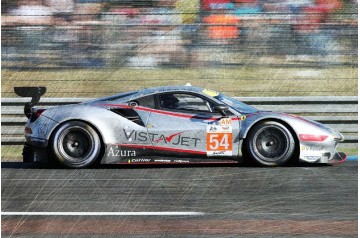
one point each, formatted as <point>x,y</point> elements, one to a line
<point>270,143</point>
<point>76,144</point>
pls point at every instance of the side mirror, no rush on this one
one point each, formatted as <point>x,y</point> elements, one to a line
<point>222,109</point>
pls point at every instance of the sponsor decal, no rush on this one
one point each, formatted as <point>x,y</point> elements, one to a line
<point>225,121</point>
<point>181,161</point>
<point>115,151</point>
<point>138,161</point>
<point>219,138</point>
<point>311,148</point>
<point>162,160</point>
<point>174,139</point>
<point>219,153</point>
<point>242,118</point>
<point>212,128</point>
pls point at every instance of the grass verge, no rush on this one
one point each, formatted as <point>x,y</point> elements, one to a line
<point>245,81</point>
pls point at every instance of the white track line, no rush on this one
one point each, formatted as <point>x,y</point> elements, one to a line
<point>102,213</point>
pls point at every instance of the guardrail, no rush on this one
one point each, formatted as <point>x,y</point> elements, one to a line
<point>339,113</point>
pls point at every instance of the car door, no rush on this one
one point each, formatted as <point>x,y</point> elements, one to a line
<point>186,125</point>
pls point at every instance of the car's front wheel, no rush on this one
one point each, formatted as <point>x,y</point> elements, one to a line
<point>76,144</point>
<point>270,143</point>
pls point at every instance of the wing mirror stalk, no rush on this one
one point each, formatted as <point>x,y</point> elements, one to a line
<point>222,109</point>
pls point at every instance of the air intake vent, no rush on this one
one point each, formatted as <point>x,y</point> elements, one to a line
<point>129,114</point>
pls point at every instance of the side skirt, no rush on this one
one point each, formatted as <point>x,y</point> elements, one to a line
<point>120,154</point>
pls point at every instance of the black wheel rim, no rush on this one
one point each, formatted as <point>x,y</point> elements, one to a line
<point>271,144</point>
<point>76,144</point>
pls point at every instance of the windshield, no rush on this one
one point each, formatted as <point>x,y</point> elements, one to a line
<point>235,104</point>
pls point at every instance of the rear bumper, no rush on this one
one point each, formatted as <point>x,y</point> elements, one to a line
<point>33,154</point>
<point>36,142</point>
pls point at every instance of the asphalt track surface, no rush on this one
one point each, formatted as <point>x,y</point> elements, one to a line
<point>230,201</point>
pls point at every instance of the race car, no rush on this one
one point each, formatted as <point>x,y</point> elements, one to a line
<point>173,124</point>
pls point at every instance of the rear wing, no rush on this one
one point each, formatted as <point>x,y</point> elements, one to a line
<point>34,92</point>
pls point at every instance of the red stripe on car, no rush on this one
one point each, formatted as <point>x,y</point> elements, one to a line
<point>168,113</point>
<point>178,163</point>
<point>163,148</point>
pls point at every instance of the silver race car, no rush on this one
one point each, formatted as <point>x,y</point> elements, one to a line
<point>175,124</point>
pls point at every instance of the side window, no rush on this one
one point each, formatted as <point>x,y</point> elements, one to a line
<point>147,101</point>
<point>184,102</point>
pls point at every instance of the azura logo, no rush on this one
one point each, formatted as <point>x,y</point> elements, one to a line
<point>117,152</point>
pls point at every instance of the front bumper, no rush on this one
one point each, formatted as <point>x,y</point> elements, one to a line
<point>339,157</point>
<point>322,152</point>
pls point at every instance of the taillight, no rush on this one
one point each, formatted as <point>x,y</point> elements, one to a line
<point>309,137</point>
<point>35,115</point>
<point>28,130</point>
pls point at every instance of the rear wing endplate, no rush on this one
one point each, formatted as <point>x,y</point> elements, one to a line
<point>34,92</point>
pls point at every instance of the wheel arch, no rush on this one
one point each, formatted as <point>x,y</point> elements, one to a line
<point>102,120</point>
<point>81,120</point>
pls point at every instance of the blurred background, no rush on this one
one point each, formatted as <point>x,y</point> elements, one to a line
<point>62,34</point>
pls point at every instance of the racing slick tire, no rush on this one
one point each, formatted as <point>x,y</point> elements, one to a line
<point>76,144</point>
<point>270,143</point>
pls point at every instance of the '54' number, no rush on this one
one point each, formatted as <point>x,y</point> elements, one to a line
<point>219,141</point>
